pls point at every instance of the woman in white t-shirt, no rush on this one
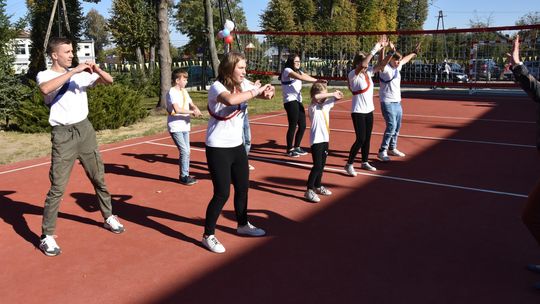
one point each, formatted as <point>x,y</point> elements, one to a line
<point>225,153</point>
<point>291,84</point>
<point>361,86</point>
<point>390,96</point>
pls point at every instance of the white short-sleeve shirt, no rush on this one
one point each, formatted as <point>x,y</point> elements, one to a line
<point>320,121</point>
<point>178,122</point>
<point>390,84</point>
<point>226,133</point>
<point>363,102</point>
<point>291,87</point>
<point>72,106</point>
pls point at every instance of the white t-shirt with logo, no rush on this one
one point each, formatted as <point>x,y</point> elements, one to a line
<point>362,103</point>
<point>178,122</point>
<point>390,91</point>
<point>320,121</point>
<point>227,133</point>
<point>72,106</point>
<point>290,87</point>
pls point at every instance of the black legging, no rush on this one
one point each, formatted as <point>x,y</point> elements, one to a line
<point>296,116</point>
<point>363,125</point>
<point>226,165</point>
<point>318,152</point>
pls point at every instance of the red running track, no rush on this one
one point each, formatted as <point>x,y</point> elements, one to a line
<point>441,225</point>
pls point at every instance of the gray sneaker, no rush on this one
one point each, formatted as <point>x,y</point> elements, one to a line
<point>48,246</point>
<point>383,156</point>
<point>322,190</point>
<point>368,166</point>
<point>250,230</point>
<point>311,196</point>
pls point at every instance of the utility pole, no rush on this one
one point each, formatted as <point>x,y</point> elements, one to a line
<point>440,20</point>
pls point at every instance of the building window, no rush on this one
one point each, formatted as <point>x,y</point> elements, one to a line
<point>86,46</point>
<point>20,49</point>
<point>87,54</point>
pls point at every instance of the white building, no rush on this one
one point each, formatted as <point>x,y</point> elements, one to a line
<point>22,46</point>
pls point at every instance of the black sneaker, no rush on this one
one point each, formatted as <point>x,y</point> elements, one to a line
<point>187,180</point>
<point>293,153</point>
<point>300,151</point>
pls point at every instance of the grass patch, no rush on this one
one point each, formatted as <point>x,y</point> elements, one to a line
<point>18,146</point>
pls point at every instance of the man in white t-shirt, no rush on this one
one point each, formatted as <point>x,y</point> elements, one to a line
<point>73,136</point>
<point>390,96</point>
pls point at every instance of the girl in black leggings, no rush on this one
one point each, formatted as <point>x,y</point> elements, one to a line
<point>291,83</point>
<point>225,153</point>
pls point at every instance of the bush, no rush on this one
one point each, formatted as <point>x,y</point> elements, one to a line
<point>32,115</point>
<point>263,78</point>
<point>110,107</point>
<point>115,106</point>
<point>12,94</point>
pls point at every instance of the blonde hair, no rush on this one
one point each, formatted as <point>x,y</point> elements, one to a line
<point>226,69</point>
<point>317,88</point>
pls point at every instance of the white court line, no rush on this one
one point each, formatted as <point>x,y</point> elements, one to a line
<point>127,146</point>
<point>410,180</point>
<point>418,137</point>
<point>452,117</point>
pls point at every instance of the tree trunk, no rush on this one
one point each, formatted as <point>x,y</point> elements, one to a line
<point>140,60</point>
<point>152,61</point>
<point>210,35</point>
<point>164,52</point>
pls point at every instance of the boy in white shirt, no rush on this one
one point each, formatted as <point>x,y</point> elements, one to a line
<point>180,107</point>
<point>319,113</point>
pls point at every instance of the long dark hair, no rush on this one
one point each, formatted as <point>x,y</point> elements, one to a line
<point>290,64</point>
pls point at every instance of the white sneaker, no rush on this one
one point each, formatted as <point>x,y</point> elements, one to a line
<point>367,166</point>
<point>311,196</point>
<point>350,170</point>
<point>251,168</point>
<point>48,246</point>
<point>212,244</point>
<point>250,230</point>
<point>322,190</point>
<point>396,152</point>
<point>383,156</point>
<point>113,224</point>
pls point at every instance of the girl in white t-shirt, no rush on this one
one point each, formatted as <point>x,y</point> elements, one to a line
<point>225,153</point>
<point>291,84</point>
<point>319,114</point>
<point>361,86</point>
<point>390,96</point>
<point>179,107</point>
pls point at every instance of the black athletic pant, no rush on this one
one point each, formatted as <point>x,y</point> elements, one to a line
<point>363,125</point>
<point>531,212</point>
<point>227,165</point>
<point>296,115</point>
<point>319,152</point>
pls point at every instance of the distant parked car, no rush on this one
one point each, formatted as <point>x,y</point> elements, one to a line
<point>533,67</point>
<point>195,75</point>
<point>484,69</point>
<point>456,73</point>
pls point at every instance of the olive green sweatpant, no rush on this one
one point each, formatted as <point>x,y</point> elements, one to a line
<point>71,142</point>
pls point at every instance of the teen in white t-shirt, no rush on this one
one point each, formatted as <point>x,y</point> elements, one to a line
<point>390,96</point>
<point>361,86</point>
<point>291,84</point>
<point>225,153</point>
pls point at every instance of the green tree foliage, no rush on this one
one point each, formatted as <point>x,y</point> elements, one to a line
<point>11,90</point>
<point>412,14</point>
<point>304,18</point>
<point>96,28</point>
<point>133,25</point>
<point>279,16</point>
<point>40,13</point>
<point>189,20</point>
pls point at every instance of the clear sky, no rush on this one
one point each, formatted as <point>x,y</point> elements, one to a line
<point>457,13</point>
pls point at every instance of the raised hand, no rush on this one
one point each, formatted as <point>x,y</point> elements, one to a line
<point>338,94</point>
<point>513,58</point>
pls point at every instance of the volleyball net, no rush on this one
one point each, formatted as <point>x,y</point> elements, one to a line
<point>476,56</point>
